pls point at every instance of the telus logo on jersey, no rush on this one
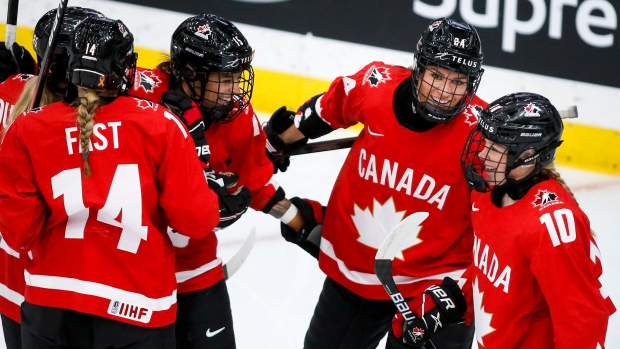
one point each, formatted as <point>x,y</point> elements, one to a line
<point>130,311</point>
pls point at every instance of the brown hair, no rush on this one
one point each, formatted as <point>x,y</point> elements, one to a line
<point>86,113</point>
<point>549,171</point>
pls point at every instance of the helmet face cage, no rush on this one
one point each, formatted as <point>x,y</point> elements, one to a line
<point>43,29</point>
<point>101,55</point>
<point>213,58</point>
<point>527,128</point>
<point>446,46</point>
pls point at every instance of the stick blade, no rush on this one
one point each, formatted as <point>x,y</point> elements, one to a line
<point>392,243</point>
<point>242,254</point>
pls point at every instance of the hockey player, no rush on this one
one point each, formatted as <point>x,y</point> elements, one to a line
<point>11,262</point>
<point>210,72</point>
<point>535,275</point>
<point>405,160</point>
<point>99,186</point>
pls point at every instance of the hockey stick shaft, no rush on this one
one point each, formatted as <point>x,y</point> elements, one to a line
<point>49,53</point>
<point>342,143</point>
<point>11,23</point>
<point>385,257</point>
<point>333,144</point>
<point>237,260</point>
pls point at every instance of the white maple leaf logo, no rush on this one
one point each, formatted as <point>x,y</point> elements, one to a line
<point>482,318</point>
<point>374,226</point>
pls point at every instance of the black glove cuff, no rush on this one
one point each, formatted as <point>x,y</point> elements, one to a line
<point>278,196</point>
<point>449,299</point>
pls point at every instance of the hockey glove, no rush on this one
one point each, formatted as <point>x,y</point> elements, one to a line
<point>16,60</point>
<point>438,307</point>
<point>188,112</point>
<point>232,205</point>
<point>309,236</point>
<point>277,151</point>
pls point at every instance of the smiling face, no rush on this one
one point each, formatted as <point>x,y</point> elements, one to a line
<point>219,91</point>
<point>442,88</point>
<point>494,157</point>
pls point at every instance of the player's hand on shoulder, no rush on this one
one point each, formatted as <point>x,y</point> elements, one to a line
<point>15,60</point>
<point>232,204</point>
<point>277,151</point>
<point>437,308</point>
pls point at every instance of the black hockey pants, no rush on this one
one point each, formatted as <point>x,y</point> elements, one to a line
<point>344,320</point>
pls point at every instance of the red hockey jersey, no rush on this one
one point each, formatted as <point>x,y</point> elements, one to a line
<point>535,273</point>
<point>11,262</point>
<point>238,147</point>
<point>99,243</point>
<point>390,173</point>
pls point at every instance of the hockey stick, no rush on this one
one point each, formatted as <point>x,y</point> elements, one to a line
<point>317,147</point>
<point>235,262</point>
<point>335,144</point>
<point>385,256</point>
<point>11,23</point>
<point>49,53</point>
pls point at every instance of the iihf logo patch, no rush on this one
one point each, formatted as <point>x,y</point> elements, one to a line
<point>374,76</point>
<point>204,31</point>
<point>531,110</point>
<point>130,311</point>
<point>545,198</point>
<point>148,81</point>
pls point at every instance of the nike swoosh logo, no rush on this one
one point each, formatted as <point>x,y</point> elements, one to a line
<point>474,208</point>
<point>211,334</point>
<point>373,133</point>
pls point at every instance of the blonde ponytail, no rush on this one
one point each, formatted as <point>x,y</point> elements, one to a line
<point>23,103</point>
<point>86,113</point>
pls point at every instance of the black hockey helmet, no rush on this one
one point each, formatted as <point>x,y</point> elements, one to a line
<point>210,48</point>
<point>520,122</point>
<point>43,30</point>
<point>450,44</point>
<point>101,55</point>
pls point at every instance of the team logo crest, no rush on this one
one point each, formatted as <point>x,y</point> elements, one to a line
<point>145,104</point>
<point>122,29</point>
<point>472,113</point>
<point>417,334</point>
<point>434,25</point>
<point>545,198</point>
<point>375,76</point>
<point>531,110</point>
<point>22,77</point>
<point>204,31</point>
<point>148,81</point>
